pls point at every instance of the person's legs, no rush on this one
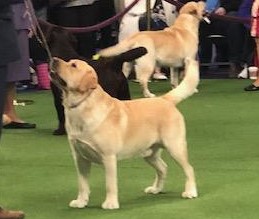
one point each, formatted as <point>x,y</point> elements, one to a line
<point>106,11</point>
<point>80,16</point>
<point>87,41</point>
<point>10,112</point>
<point>9,109</point>
<point>235,40</point>
<point>5,214</point>
<point>249,51</point>
<point>235,37</point>
<point>205,44</point>
<point>255,85</point>
<point>3,73</point>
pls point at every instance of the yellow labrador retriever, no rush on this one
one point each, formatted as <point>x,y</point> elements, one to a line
<point>103,129</point>
<point>168,47</point>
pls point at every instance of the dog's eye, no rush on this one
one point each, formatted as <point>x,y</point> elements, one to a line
<point>73,65</point>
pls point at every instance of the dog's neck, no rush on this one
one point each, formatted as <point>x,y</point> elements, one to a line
<point>190,22</point>
<point>77,103</point>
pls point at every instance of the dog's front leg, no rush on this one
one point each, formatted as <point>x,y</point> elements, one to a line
<point>83,167</point>
<point>110,165</point>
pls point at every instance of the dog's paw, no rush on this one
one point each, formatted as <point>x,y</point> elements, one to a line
<point>110,205</point>
<point>149,95</point>
<point>196,90</point>
<point>190,194</point>
<point>152,190</point>
<point>78,203</point>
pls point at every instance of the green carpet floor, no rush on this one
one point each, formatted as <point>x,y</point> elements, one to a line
<point>37,174</point>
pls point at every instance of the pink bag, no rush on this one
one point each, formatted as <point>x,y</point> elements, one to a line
<point>42,71</point>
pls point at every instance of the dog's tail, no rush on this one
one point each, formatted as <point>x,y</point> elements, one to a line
<point>189,84</point>
<point>131,54</point>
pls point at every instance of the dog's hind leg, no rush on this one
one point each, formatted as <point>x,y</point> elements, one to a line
<point>160,166</point>
<point>127,68</point>
<point>144,70</point>
<point>177,147</point>
<point>174,77</point>
<point>83,167</point>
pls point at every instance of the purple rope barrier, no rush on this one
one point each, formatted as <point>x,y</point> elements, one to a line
<point>96,26</point>
<point>231,18</point>
<point>109,21</point>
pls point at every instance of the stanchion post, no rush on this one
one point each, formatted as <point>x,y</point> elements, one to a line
<point>148,14</point>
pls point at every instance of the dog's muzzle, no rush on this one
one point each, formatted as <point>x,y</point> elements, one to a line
<point>54,64</point>
<point>55,78</point>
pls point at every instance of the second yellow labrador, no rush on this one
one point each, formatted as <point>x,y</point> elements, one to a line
<point>103,129</point>
<point>168,47</point>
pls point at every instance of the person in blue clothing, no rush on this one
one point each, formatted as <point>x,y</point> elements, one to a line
<point>235,36</point>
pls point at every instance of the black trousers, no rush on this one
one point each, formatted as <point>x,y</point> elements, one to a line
<point>216,27</point>
<point>83,16</point>
<point>235,47</point>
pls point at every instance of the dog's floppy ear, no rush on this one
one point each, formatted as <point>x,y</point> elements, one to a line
<point>193,8</point>
<point>89,82</point>
<point>193,12</point>
<point>201,7</point>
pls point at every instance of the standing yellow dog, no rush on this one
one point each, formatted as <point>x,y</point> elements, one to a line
<point>168,47</point>
<point>103,129</point>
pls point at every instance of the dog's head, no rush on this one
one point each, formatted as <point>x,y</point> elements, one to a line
<point>60,35</point>
<point>62,43</point>
<point>196,9</point>
<point>73,76</point>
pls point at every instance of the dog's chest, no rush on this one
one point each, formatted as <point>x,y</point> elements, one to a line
<point>80,138</point>
<point>75,126</point>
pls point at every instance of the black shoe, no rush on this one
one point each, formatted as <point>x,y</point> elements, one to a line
<point>251,87</point>
<point>19,125</point>
<point>59,131</point>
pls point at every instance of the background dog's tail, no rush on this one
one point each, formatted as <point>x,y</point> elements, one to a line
<point>189,84</point>
<point>117,49</point>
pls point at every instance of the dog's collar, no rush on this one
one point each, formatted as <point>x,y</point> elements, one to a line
<point>78,103</point>
<point>75,105</point>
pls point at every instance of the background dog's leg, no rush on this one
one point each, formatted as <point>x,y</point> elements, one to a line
<point>174,77</point>
<point>110,165</point>
<point>143,73</point>
<point>127,68</point>
<point>144,85</point>
<point>178,150</point>
<point>160,166</point>
<point>83,167</point>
